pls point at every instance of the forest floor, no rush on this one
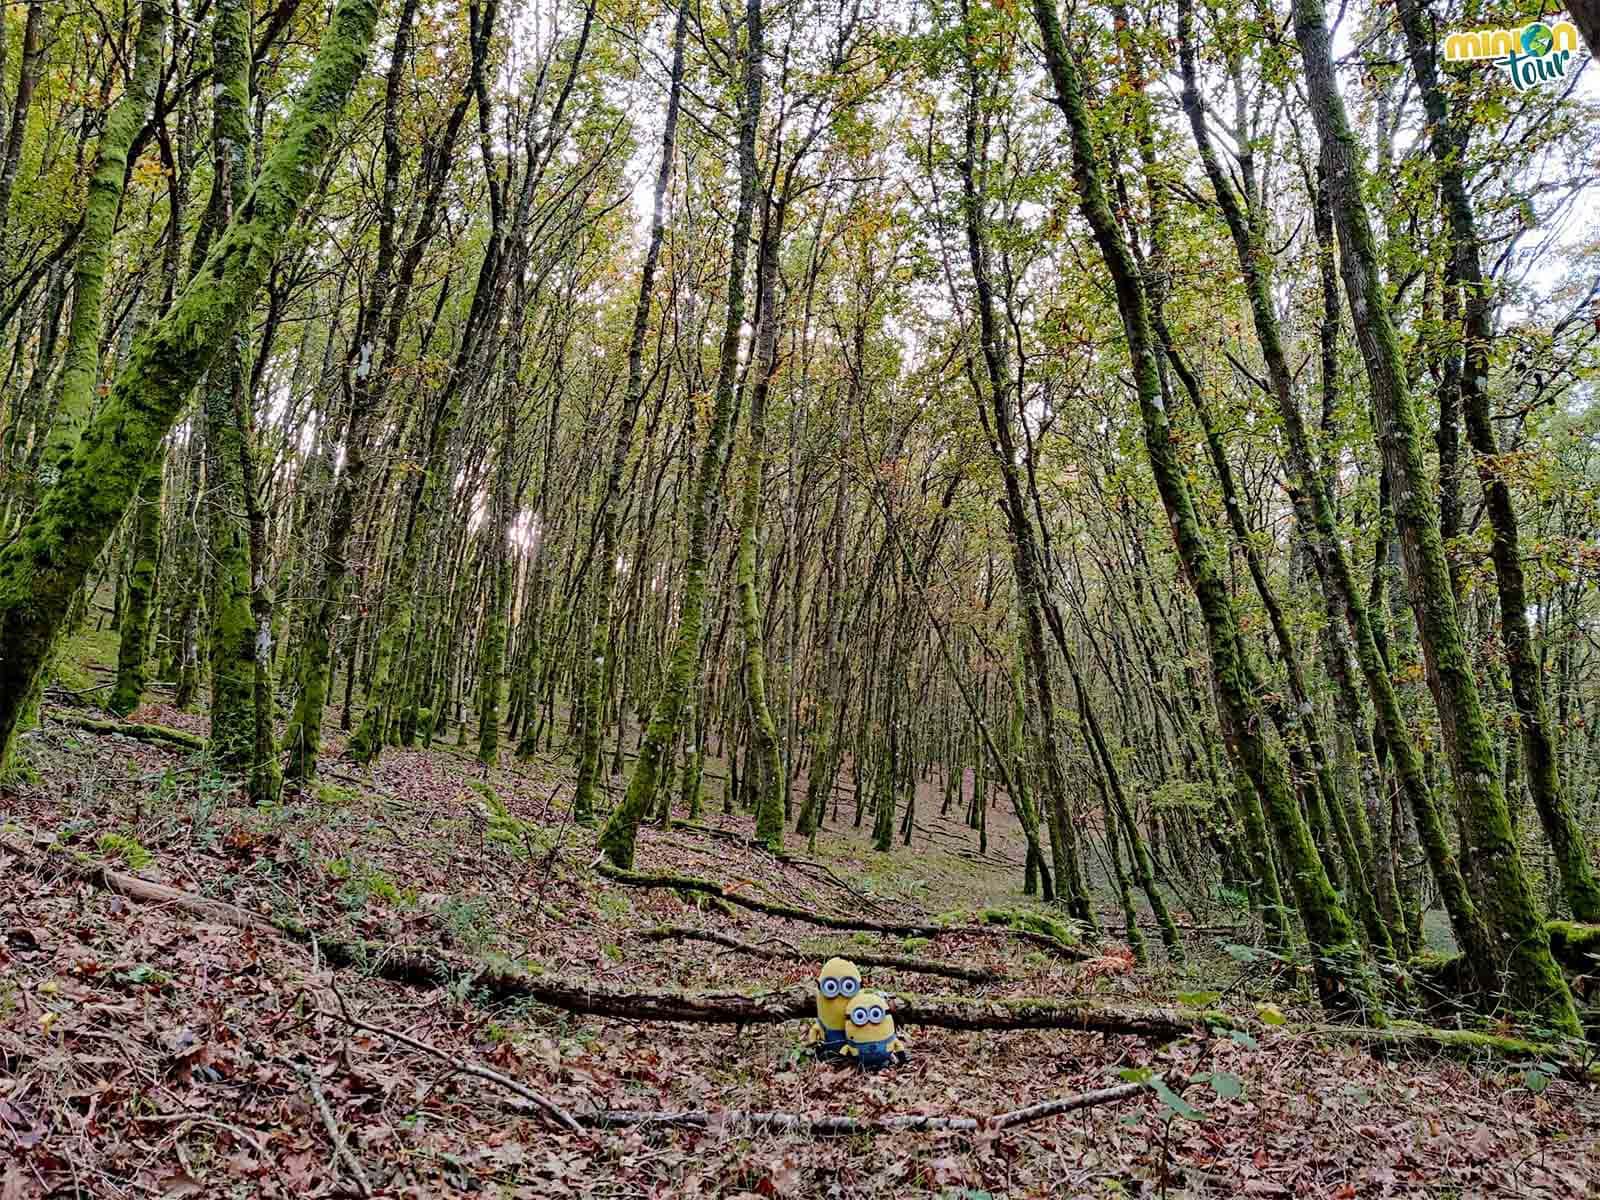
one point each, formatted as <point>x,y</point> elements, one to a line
<point>145,1050</point>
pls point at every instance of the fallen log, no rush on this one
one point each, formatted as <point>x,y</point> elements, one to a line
<point>418,967</point>
<point>130,729</point>
<point>1458,1043</point>
<point>799,862</point>
<point>744,1120</point>
<point>710,887</point>
<point>669,933</point>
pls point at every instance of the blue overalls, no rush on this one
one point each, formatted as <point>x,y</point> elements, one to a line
<point>832,1042</point>
<point>874,1054</point>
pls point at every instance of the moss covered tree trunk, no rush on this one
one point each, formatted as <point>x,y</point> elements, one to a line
<point>21,105</point>
<point>772,779</point>
<point>1344,979</point>
<point>45,564</point>
<point>609,500</point>
<point>617,838</point>
<point>1143,867</point>
<point>1447,140</point>
<point>997,404</point>
<point>1521,947</point>
<point>497,598</point>
<point>133,646</point>
<point>80,367</point>
<point>223,394</point>
<point>375,342</point>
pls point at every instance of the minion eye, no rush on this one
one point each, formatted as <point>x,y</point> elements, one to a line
<point>829,987</point>
<point>850,986</point>
<point>859,1016</point>
<point>877,1012</point>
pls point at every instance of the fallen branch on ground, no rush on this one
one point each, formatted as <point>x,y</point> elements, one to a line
<point>710,887</point>
<point>340,1148</point>
<point>799,862</point>
<point>416,967</point>
<point>1458,1043</point>
<point>131,729</point>
<point>549,1107</point>
<point>827,1126</point>
<point>669,933</point>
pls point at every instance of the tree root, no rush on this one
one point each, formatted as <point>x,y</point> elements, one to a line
<point>668,933</point>
<point>130,729</point>
<point>710,887</point>
<point>742,1120</point>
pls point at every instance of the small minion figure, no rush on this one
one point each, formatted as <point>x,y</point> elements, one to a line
<point>869,1033</point>
<point>837,984</point>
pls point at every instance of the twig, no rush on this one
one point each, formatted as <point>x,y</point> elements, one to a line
<point>342,1150</point>
<point>550,1107</point>
<point>181,1118</point>
<point>830,1126</point>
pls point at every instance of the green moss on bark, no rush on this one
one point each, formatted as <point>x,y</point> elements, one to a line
<point>1518,943</point>
<point>45,564</point>
<point>133,651</point>
<point>1344,980</point>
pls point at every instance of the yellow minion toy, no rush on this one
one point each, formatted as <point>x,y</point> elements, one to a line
<point>838,983</point>
<point>869,1033</point>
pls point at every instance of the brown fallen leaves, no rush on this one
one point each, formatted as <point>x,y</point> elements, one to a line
<point>144,1054</point>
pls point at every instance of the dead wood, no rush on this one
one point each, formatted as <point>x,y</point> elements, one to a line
<point>743,1120</point>
<point>130,729</point>
<point>549,1107</point>
<point>419,967</point>
<point>669,933</point>
<point>710,887</point>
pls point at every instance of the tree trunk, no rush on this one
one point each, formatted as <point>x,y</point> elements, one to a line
<point>605,518</point>
<point>21,102</point>
<point>1344,979</point>
<point>774,782</point>
<point>1447,139</point>
<point>80,369</point>
<point>617,839</point>
<point>224,400</point>
<point>45,564</point>
<point>1531,975</point>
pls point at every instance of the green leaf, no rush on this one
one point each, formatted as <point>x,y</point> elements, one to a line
<point>1199,999</point>
<point>1244,954</point>
<point>1179,1106</point>
<point>1271,1014</point>
<point>1135,1074</point>
<point>1226,1086</point>
<point>1241,1038</point>
<point>1536,1081</point>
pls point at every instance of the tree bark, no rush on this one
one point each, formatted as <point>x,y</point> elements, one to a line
<point>42,568</point>
<point>1344,978</point>
<point>1530,975</point>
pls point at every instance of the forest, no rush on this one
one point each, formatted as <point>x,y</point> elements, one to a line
<point>799,598</point>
